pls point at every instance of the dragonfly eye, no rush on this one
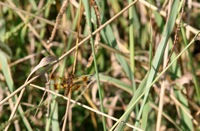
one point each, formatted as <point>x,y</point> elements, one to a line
<point>52,76</point>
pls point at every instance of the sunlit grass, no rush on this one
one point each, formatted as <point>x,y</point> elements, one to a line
<point>137,79</point>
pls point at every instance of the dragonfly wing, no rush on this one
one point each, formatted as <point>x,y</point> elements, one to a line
<point>76,87</point>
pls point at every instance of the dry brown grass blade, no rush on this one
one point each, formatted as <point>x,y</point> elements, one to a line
<point>32,29</point>
<point>11,104</point>
<point>179,105</point>
<point>163,13</point>
<point>22,88</point>
<point>45,61</point>
<point>67,110</point>
<point>26,58</point>
<point>164,85</point>
<point>84,106</point>
<point>15,108</point>
<point>73,73</point>
<point>97,37</point>
<point>77,40</point>
<point>113,103</point>
<point>67,31</point>
<point>184,79</point>
<point>67,53</point>
<point>58,19</point>
<point>176,33</point>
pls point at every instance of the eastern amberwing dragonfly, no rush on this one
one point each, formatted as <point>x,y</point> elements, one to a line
<point>69,83</point>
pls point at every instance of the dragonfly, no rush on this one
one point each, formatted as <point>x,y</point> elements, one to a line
<point>69,83</point>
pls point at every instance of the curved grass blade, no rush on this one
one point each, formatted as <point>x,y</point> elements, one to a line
<point>142,90</point>
<point>9,81</point>
<point>116,82</point>
<point>196,82</point>
<point>155,64</point>
<point>88,18</point>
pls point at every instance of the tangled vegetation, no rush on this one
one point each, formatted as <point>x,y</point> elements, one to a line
<point>99,65</point>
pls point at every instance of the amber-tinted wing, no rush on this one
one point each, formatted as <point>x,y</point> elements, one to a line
<point>58,82</point>
<point>69,83</point>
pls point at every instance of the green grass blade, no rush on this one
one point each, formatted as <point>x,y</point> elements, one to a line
<point>185,121</point>
<point>191,62</point>
<point>116,82</point>
<point>145,114</point>
<point>157,59</point>
<point>160,51</point>
<point>132,18</point>
<point>9,81</point>
<point>133,35</point>
<point>88,19</point>
<point>6,71</point>
<point>130,107</point>
<point>109,38</point>
<point>131,42</point>
<point>142,90</point>
<point>53,116</point>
